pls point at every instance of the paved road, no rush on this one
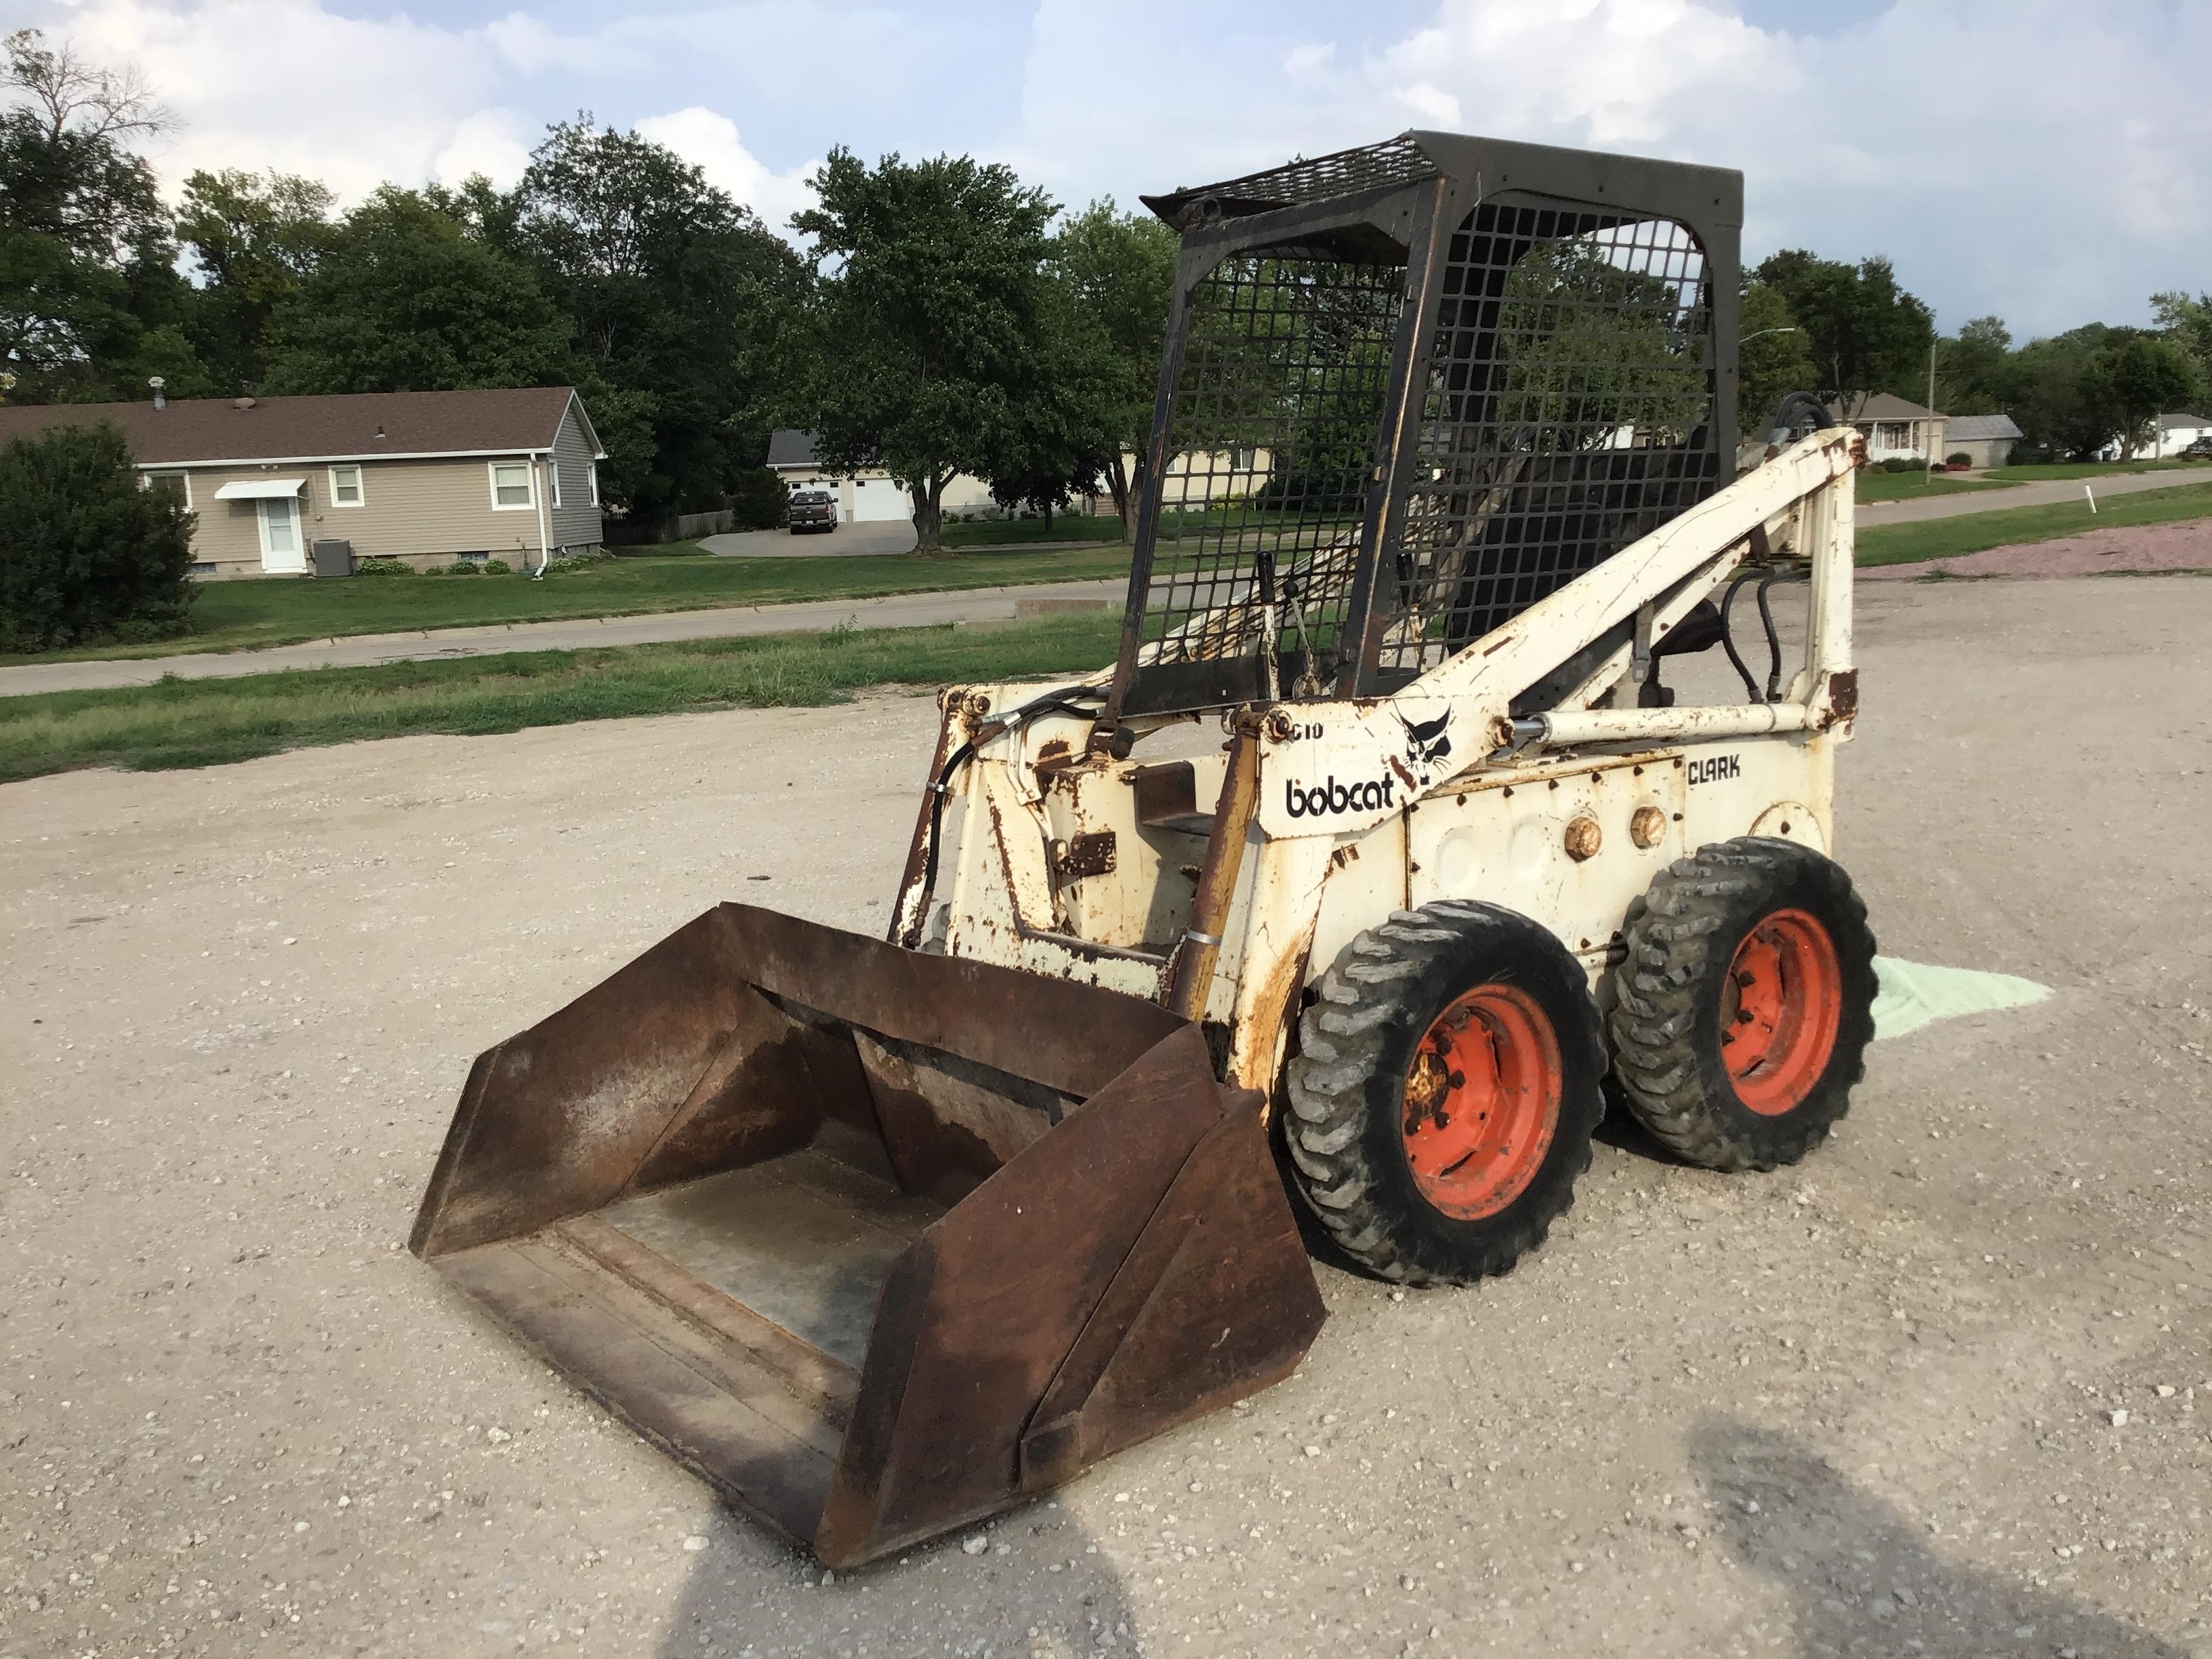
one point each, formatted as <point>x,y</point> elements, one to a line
<point>898,611</point>
<point>1829,1411</point>
<point>883,536</point>
<point>2026,494</point>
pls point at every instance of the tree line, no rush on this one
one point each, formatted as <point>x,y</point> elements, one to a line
<point>1824,325</point>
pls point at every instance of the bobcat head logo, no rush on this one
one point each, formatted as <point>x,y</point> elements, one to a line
<point>1426,746</point>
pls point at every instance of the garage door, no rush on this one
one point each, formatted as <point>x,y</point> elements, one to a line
<point>878,499</point>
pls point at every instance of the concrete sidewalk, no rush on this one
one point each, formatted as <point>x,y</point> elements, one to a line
<point>1873,515</point>
<point>363,650</point>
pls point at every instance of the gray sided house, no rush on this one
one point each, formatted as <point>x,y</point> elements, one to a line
<point>1985,440</point>
<point>426,477</point>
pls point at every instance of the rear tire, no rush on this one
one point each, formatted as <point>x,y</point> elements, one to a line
<point>1441,1106</point>
<point>1743,1007</point>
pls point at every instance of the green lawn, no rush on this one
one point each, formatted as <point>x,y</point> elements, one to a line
<point>1000,532</point>
<point>180,723</point>
<point>2081,470</point>
<point>1943,538</point>
<point>238,615</point>
<point>1912,486</point>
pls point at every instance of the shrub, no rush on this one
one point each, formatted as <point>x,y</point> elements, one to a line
<point>1958,457</point>
<point>383,568</point>
<point>576,562</point>
<point>463,567</point>
<point>758,501</point>
<point>86,554</point>
<point>496,568</point>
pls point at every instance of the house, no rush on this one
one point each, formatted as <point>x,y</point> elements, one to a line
<point>1192,480</point>
<point>1894,428</point>
<point>868,495</point>
<point>1983,440</point>
<point>2174,433</point>
<point>426,477</point>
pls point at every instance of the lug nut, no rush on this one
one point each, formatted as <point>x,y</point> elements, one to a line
<point>1583,839</point>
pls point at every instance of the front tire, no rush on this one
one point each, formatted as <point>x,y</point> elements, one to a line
<point>1745,1003</point>
<point>1449,1079</point>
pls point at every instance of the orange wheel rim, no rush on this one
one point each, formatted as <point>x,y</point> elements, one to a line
<point>1780,1010</point>
<point>1482,1102</point>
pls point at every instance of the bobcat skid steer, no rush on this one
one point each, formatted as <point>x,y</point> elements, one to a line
<point>1342,891</point>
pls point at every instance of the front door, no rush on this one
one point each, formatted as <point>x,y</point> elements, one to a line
<point>281,552</point>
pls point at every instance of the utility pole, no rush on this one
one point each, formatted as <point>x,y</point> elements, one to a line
<point>1928,472</point>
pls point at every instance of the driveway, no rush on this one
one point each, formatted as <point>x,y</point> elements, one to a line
<point>882,536</point>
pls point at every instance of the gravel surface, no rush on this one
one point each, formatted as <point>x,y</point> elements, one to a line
<point>1944,1389</point>
<point>2143,550</point>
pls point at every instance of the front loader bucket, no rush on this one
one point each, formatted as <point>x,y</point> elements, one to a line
<point>876,1241</point>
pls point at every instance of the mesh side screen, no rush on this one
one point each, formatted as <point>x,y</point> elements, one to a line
<point>1567,414</point>
<point>1274,427</point>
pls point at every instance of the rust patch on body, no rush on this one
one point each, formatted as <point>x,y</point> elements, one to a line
<point>1842,695</point>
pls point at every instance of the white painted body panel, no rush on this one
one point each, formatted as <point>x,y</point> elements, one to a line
<point>1371,805</point>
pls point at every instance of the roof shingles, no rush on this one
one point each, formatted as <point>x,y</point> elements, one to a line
<point>358,426</point>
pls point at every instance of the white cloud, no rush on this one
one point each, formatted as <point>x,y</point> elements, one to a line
<point>710,142</point>
<point>495,143</point>
<point>1437,109</point>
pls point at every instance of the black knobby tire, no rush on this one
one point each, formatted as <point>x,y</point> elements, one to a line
<point>1672,994</point>
<point>1346,1132</point>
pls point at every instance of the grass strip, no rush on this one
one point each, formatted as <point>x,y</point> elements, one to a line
<point>251,615</point>
<point>2047,471</point>
<point>1945,538</point>
<point>178,723</point>
<point>1873,486</point>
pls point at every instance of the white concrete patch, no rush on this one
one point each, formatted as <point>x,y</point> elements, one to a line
<point>1917,994</point>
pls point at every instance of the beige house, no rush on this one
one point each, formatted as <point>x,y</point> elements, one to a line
<point>1895,428</point>
<point>289,486</point>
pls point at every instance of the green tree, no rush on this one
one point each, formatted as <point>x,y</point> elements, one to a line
<point>405,300</point>
<point>254,239</point>
<point>87,276</point>
<point>933,294</point>
<point>1773,358</point>
<point>2133,380</point>
<point>86,555</point>
<point>679,296</point>
<point>2043,386</point>
<point>1970,368</point>
<point>1863,332</point>
<point>1121,269</point>
<point>2187,324</point>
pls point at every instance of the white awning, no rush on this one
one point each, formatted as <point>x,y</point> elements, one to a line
<point>256,490</point>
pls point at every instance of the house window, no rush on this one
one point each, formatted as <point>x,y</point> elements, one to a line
<point>1242,461</point>
<point>592,480</point>
<point>345,486</point>
<point>510,486</point>
<point>1892,435</point>
<point>553,477</point>
<point>177,485</point>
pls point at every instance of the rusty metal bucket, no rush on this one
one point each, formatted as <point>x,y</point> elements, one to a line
<point>877,1242</point>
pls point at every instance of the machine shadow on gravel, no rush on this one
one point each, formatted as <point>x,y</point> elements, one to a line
<point>935,1598</point>
<point>1812,1530</point>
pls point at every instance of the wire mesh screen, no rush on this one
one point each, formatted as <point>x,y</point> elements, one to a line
<point>1567,413</point>
<point>1399,161</point>
<point>1273,430</point>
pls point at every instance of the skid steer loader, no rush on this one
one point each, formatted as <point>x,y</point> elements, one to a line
<point>1382,851</point>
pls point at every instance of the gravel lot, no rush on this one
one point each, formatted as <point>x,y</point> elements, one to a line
<point>2137,549</point>
<point>1945,1390</point>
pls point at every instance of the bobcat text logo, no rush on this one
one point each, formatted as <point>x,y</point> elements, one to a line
<point>1329,796</point>
<point>1714,768</point>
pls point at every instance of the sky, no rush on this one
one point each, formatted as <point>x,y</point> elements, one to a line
<point>2042,160</point>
